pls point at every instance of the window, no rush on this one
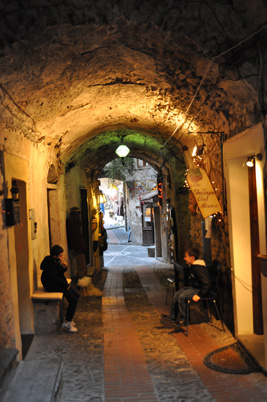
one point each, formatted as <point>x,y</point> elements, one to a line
<point>148,216</point>
<point>141,163</point>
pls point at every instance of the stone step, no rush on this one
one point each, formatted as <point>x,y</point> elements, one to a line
<point>8,364</point>
<point>35,381</point>
<point>151,251</point>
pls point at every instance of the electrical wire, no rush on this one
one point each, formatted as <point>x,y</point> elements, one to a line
<point>248,287</point>
<point>240,43</point>
<point>205,74</point>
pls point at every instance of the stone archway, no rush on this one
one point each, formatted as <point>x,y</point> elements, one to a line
<point>174,74</point>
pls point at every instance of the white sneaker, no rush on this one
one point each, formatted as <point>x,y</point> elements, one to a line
<point>68,326</point>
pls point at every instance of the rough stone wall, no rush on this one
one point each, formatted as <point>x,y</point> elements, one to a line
<point>220,251</point>
<point>179,195</point>
<point>168,16</point>
<point>149,58</point>
<point>212,162</point>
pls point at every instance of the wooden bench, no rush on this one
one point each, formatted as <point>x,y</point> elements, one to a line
<point>48,310</point>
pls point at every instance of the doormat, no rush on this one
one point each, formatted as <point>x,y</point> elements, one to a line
<point>230,359</point>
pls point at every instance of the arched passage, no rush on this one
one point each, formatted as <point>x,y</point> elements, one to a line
<point>85,164</point>
<point>76,78</point>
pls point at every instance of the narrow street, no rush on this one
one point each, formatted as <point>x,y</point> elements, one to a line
<point>123,352</point>
<point>149,116</point>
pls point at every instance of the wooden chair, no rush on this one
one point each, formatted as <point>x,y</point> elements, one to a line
<point>212,296</point>
<point>170,283</point>
<point>173,283</point>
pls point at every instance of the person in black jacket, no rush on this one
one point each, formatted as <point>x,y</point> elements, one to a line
<point>76,244</point>
<point>200,284</point>
<point>53,280</point>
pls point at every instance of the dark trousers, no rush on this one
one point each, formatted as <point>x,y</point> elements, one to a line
<point>179,301</point>
<point>72,295</point>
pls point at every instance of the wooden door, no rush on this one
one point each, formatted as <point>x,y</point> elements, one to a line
<point>147,224</point>
<point>255,250</point>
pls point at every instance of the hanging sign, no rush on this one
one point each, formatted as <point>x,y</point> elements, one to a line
<point>203,191</point>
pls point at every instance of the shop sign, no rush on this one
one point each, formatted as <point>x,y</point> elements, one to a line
<point>203,191</point>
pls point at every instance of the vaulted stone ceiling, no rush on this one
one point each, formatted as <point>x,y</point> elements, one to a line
<point>72,70</point>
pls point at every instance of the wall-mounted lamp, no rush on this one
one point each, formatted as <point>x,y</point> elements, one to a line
<point>198,150</point>
<point>14,190</point>
<point>122,151</point>
<point>250,161</point>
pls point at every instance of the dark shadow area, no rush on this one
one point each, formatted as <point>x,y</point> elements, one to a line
<point>26,341</point>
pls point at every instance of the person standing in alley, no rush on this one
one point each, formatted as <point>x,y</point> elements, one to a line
<point>103,237</point>
<point>200,284</point>
<point>76,244</point>
<point>53,280</point>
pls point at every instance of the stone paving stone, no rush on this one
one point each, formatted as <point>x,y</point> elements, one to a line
<point>172,374</point>
<point>122,349</point>
<point>82,354</point>
<point>117,235</point>
<point>230,384</point>
<point>129,348</point>
<point>201,340</point>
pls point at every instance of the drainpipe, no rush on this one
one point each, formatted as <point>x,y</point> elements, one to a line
<point>125,206</point>
<point>165,224</point>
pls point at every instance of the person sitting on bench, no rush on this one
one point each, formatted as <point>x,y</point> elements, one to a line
<point>53,280</point>
<point>200,284</point>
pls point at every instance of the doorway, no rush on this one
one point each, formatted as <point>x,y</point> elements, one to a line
<point>84,217</point>
<point>157,226</point>
<point>246,207</point>
<point>246,212</point>
<point>52,213</point>
<point>22,258</point>
<point>147,223</point>
<point>55,219</point>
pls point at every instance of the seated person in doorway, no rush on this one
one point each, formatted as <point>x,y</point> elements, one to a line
<point>200,284</point>
<point>53,280</point>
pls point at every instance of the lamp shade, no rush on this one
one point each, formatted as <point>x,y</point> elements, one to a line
<point>122,151</point>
